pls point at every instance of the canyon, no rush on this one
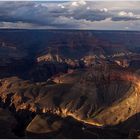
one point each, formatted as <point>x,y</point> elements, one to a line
<point>69,84</point>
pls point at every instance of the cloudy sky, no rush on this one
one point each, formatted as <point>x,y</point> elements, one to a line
<point>80,14</point>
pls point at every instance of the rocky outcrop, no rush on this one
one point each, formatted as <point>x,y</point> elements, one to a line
<point>55,58</point>
<point>91,99</point>
<point>44,124</point>
<point>50,58</point>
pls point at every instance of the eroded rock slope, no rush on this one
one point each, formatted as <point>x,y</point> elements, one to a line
<point>96,97</point>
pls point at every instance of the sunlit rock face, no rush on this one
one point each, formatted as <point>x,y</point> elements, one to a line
<point>50,58</point>
<point>124,63</point>
<point>99,97</point>
<point>101,94</point>
<point>55,58</point>
<point>42,124</point>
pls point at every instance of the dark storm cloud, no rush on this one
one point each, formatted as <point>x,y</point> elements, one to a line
<point>125,18</point>
<point>79,14</point>
<point>91,15</point>
<point>25,12</point>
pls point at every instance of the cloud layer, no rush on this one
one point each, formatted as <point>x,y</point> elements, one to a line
<point>70,15</point>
